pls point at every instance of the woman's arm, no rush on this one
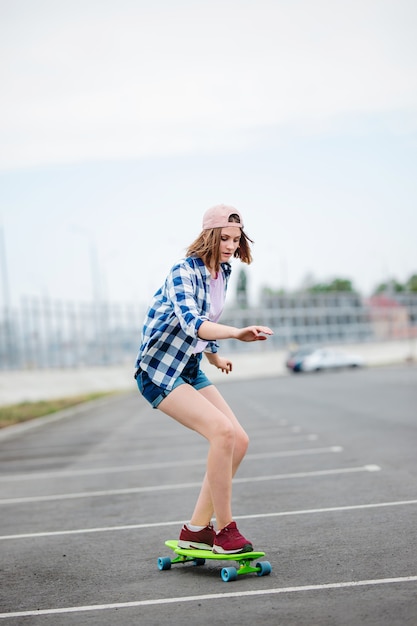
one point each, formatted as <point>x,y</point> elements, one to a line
<point>223,364</point>
<point>210,331</point>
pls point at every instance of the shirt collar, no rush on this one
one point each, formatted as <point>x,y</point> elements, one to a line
<point>227,268</point>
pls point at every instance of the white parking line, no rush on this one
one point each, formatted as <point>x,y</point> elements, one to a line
<point>176,486</point>
<point>170,464</point>
<point>333,509</point>
<point>213,596</point>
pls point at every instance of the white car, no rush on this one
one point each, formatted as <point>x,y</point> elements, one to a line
<point>322,359</point>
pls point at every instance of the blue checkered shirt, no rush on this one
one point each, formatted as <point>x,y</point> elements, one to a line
<point>179,307</point>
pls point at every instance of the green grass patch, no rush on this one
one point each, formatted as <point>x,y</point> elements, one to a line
<point>24,411</point>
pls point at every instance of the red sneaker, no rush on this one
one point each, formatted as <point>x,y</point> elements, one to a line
<point>200,540</point>
<point>230,541</point>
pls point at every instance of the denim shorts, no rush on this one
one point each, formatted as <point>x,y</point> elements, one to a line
<point>191,375</point>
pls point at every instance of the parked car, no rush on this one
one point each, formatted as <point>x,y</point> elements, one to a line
<point>317,359</point>
<point>295,357</point>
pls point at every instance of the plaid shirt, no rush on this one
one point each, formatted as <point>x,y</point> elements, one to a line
<point>178,309</point>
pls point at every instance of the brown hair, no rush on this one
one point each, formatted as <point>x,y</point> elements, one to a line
<point>207,246</point>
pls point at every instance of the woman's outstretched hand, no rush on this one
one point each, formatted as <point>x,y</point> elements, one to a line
<point>253,333</point>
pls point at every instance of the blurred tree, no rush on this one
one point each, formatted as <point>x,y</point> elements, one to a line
<point>411,284</point>
<point>242,290</point>
<point>391,286</point>
<point>336,285</point>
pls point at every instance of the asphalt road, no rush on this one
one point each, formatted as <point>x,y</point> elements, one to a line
<point>328,490</point>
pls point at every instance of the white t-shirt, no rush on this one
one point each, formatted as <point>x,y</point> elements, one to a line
<point>217,299</point>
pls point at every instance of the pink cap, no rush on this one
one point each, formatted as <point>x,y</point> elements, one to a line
<point>218,217</point>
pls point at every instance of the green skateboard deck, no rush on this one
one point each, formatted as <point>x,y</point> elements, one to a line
<point>198,557</point>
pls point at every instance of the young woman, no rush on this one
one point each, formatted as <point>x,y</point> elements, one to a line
<point>181,324</point>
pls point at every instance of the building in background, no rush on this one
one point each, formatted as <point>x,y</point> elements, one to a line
<point>43,333</point>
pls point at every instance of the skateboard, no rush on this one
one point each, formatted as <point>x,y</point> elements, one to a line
<point>199,557</point>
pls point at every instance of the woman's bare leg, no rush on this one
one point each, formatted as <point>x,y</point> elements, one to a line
<point>204,506</point>
<point>207,413</point>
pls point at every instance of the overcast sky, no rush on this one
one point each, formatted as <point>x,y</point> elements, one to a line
<point>122,121</point>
